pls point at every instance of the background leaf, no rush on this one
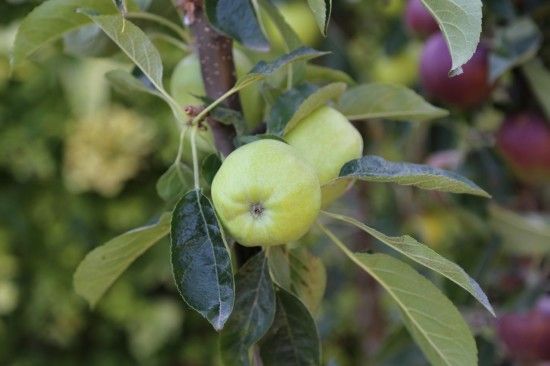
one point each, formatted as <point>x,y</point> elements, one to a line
<point>460,22</point>
<point>378,100</point>
<point>300,273</point>
<point>431,318</point>
<point>254,311</point>
<point>372,168</point>
<point>539,80</point>
<point>292,339</point>
<point>50,20</point>
<point>527,234</point>
<point>177,180</point>
<point>237,19</point>
<point>103,265</point>
<point>425,256</point>
<point>200,259</point>
<point>126,83</point>
<point>321,10</point>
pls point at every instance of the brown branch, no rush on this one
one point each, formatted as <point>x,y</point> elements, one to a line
<point>218,73</point>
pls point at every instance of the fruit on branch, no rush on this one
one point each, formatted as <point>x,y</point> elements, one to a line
<point>186,83</point>
<point>327,140</point>
<point>466,90</point>
<point>527,336</point>
<point>399,69</point>
<point>419,20</point>
<point>266,194</point>
<point>299,17</point>
<point>524,141</point>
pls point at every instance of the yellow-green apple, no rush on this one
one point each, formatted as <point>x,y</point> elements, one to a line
<point>266,194</point>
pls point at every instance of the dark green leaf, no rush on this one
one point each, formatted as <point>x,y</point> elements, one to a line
<point>177,180</point>
<point>321,10</point>
<point>210,166</point>
<point>300,273</point>
<point>292,339</point>
<point>425,256</point>
<point>103,265</point>
<point>254,311</point>
<point>200,259</point>
<point>237,19</point>
<point>121,6</point>
<point>431,318</point>
<point>375,169</point>
<point>460,22</point>
<point>513,45</point>
<point>263,69</point>
<point>378,100</point>
<point>50,20</point>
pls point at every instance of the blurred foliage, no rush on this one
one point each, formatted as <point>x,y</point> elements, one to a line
<point>79,163</point>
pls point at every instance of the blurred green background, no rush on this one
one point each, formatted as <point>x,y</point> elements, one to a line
<point>79,163</point>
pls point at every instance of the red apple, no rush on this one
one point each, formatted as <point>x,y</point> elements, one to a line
<point>524,141</point>
<point>466,90</point>
<point>419,20</point>
<point>527,336</point>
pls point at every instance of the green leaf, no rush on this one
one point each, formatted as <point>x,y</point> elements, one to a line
<point>263,69</point>
<point>460,22</point>
<point>300,273</point>
<point>431,318</point>
<point>372,168</point>
<point>513,45</point>
<point>298,103</point>
<point>289,36</point>
<point>88,41</point>
<point>49,21</point>
<point>137,46</point>
<point>316,73</point>
<point>209,167</point>
<point>539,80</point>
<point>527,234</point>
<point>237,19</point>
<point>425,256</point>
<point>378,100</point>
<point>254,311</point>
<point>126,83</point>
<point>103,265</point>
<point>292,339</point>
<point>321,11</point>
<point>200,259</point>
<point>177,180</point>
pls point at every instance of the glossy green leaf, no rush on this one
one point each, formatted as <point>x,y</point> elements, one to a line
<point>177,180</point>
<point>200,259</point>
<point>237,19</point>
<point>254,311</point>
<point>431,318</point>
<point>321,11</point>
<point>460,22</point>
<point>527,234</point>
<point>539,79</point>
<point>292,340</point>
<point>372,168</point>
<point>378,100</point>
<point>425,256</point>
<point>300,273</point>
<point>513,45</point>
<point>50,20</point>
<point>264,69</point>
<point>298,103</point>
<point>103,265</point>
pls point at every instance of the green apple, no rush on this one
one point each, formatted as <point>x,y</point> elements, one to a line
<point>400,69</point>
<point>186,82</point>
<point>327,140</point>
<point>266,194</point>
<point>299,17</point>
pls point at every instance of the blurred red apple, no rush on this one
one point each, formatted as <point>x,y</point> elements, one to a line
<point>524,141</point>
<point>419,20</point>
<point>527,336</point>
<point>466,90</point>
